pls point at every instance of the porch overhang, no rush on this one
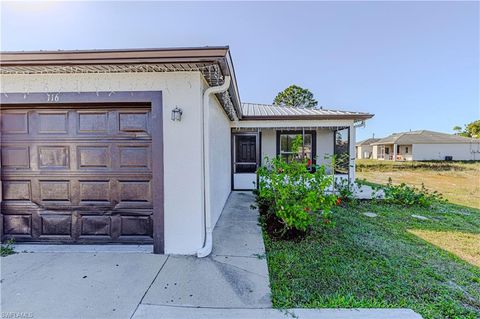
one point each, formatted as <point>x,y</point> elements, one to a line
<point>292,124</point>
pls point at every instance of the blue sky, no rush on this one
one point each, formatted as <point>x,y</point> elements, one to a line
<point>415,65</point>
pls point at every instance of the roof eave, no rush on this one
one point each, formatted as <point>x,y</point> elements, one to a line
<point>220,55</point>
<point>79,57</point>
<point>307,117</point>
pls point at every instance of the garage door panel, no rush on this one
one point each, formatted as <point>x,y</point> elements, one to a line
<point>20,225</point>
<point>53,157</point>
<point>56,225</point>
<point>15,157</point>
<point>52,122</point>
<point>135,156</point>
<point>55,191</point>
<point>16,190</point>
<point>93,122</point>
<point>134,122</point>
<point>136,225</point>
<point>77,175</point>
<point>132,192</point>
<point>94,157</point>
<point>14,122</point>
<point>95,191</point>
<point>94,225</point>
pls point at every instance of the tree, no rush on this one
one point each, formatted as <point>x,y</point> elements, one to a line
<point>457,129</point>
<point>471,130</point>
<point>295,96</point>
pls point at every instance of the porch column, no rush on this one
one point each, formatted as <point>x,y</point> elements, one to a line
<point>351,153</point>
<point>394,152</point>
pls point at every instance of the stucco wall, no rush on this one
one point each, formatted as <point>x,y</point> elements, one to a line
<point>460,152</point>
<point>364,151</point>
<point>269,144</point>
<point>375,151</point>
<point>324,147</point>
<point>182,140</point>
<point>352,141</point>
<point>220,158</point>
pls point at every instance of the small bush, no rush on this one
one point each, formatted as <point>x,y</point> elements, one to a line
<point>291,197</point>
<point>410,196</point>
<point>7,248</point>
<point>346,190</point>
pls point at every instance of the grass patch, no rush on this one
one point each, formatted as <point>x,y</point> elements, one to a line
<point>459,182</point>
<point>7,248</point>
<point>376,262</point>
<point>367,165</point>
<point>463,245</point>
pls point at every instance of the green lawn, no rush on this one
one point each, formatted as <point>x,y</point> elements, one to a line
<point>378,262</point>
<point>459,182</point>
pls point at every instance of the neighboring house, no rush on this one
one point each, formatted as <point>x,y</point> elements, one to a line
<point>140,146</point>
<point>364,149</point>
<point>425,146</point>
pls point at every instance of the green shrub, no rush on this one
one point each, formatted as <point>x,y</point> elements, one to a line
<point>410,196</point>
<point>7,248</point>
<point>294,194</point>
<point>345,189</point>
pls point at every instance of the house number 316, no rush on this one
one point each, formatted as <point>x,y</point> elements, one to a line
<point>52,97</point>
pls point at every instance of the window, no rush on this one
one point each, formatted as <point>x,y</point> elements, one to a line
<point>398,149</point>
<point>406,149</point>
<point>342,151</point>
<point>285,140</point>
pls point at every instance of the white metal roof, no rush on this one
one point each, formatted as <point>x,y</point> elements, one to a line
<point>271,111</point>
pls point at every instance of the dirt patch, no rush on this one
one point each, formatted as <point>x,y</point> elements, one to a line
<point>464,245</point>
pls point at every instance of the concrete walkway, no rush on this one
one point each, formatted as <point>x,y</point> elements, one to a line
<point>162,312</point>
<point>128,282</point>
<point>235,275</point>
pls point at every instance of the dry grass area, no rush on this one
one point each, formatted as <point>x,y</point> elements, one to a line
<point>463,245</point>
<point>458,182</point>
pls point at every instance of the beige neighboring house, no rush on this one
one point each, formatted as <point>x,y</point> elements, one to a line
<point>426,145</point>
<point>364,149</point>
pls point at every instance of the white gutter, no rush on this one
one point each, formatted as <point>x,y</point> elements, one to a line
<point>207,216</point>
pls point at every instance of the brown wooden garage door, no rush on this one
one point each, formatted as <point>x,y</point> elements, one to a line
<point>77,173</point>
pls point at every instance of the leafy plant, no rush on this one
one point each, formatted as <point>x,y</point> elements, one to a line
<point>292,198</point>
<point>409,196</point>
<point>471,129</point>
<point>7,248</point>
<point>345,189</point>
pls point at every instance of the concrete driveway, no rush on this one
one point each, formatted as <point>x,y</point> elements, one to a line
<point>113,281</point>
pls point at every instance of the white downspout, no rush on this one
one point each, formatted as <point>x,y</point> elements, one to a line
<point>207,216</point>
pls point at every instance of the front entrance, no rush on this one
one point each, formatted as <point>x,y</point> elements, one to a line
<point>245,161</point>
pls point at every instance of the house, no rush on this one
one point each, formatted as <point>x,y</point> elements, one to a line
<point>364,149</point>
<point>140,146</point>
<point>426,145</point>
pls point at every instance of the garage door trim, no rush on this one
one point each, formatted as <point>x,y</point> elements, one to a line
<point>153,98</point>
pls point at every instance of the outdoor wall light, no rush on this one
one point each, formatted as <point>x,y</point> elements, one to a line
<point>177,114</point>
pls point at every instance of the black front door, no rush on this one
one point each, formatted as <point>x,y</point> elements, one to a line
<point>245,161</point>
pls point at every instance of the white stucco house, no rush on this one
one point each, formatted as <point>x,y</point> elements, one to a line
<point>139,146</point>
<point>426,145</point>
<point>364,149</point>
